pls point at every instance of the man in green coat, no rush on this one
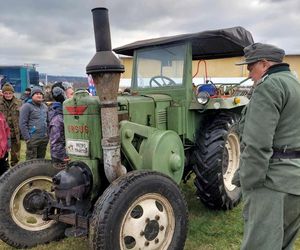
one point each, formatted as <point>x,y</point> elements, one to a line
<point>270,160</point>
<point>10,107</point>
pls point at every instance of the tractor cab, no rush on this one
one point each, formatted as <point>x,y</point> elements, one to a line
<point>163,67</point>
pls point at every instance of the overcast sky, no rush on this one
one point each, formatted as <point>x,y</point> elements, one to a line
<point>58,34</point>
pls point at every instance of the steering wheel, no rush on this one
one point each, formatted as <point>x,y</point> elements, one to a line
<point>164,79</point>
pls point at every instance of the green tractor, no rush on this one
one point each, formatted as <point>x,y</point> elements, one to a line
<point>129,152</point>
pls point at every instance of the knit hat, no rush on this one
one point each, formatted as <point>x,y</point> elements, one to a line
<point>58,92</point>
<point>36,90</point>
<point>7,87</point>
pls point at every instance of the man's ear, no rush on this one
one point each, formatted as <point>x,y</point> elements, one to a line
<point>266,64</point>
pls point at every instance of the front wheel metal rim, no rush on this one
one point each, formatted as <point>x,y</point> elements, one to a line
<point>232,146</point>
<point>23,218</point>
<point>149,223</point>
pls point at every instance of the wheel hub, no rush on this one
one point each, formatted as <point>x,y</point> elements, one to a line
<point>34,202</point>
<point>151,230</point>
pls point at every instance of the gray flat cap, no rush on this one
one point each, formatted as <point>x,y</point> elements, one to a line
<point>259,51</point>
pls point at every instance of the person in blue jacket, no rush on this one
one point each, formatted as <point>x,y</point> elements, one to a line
<point>34,125</point>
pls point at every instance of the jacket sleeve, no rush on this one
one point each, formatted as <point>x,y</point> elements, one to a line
<point>261,119</point>
<point>24,121</point>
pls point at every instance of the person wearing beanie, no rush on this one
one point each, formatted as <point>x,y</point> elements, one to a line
<point>56,125</point>
<point>37,90</point>
<point>269,170</point>
<point>34,124</point>
<point>8,87</point>
<point>26,95</point>
<point>10,107</point>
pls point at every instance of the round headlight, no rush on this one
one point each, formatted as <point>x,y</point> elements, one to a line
<point>203,97</point>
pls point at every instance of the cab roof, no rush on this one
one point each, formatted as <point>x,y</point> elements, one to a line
<point>211,44</point>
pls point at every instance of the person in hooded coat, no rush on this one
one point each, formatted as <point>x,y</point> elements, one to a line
<point>56,126</point>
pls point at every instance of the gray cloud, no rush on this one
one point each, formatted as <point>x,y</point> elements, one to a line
<point>58,35</point>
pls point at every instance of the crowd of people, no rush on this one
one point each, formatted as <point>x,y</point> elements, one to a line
<point>37,118</point>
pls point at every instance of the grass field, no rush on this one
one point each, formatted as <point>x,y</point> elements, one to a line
<point>208,230</point>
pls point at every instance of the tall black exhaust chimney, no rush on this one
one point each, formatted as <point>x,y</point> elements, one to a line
<point>106,70</point>
<point>104,60</point>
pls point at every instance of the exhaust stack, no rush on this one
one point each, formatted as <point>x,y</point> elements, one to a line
<point>106,70</point>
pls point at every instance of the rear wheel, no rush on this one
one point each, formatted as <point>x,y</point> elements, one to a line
<point>216,160</point>
<point>23,196</point>
<point>141,210</point>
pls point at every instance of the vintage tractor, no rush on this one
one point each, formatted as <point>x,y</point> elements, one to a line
<point>129,153</point>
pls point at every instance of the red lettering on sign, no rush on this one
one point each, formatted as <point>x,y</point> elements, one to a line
<point>83,129</point>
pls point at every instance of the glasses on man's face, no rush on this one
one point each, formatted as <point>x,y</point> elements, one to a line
<point>251,66</point>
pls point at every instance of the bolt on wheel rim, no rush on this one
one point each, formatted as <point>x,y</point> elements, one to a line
<point>232,147</point>
<point>149,223</point>
<point>23,218</point>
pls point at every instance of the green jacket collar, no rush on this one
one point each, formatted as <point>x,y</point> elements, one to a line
<point>278,68</point>
<point>281,67</point>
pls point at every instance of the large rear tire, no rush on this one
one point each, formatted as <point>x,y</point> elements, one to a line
<point>21,199</point>
<point>216,160</point>
<point>141,210</point>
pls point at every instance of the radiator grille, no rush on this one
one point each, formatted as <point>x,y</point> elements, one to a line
<point>162,116</point>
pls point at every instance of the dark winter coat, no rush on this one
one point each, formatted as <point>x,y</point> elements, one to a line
<point>56,132</point>
<point>33,120</point>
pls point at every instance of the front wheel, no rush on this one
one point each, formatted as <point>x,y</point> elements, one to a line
<point>141,210</point>
<point>23,192</point>
<point>216,160</point>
